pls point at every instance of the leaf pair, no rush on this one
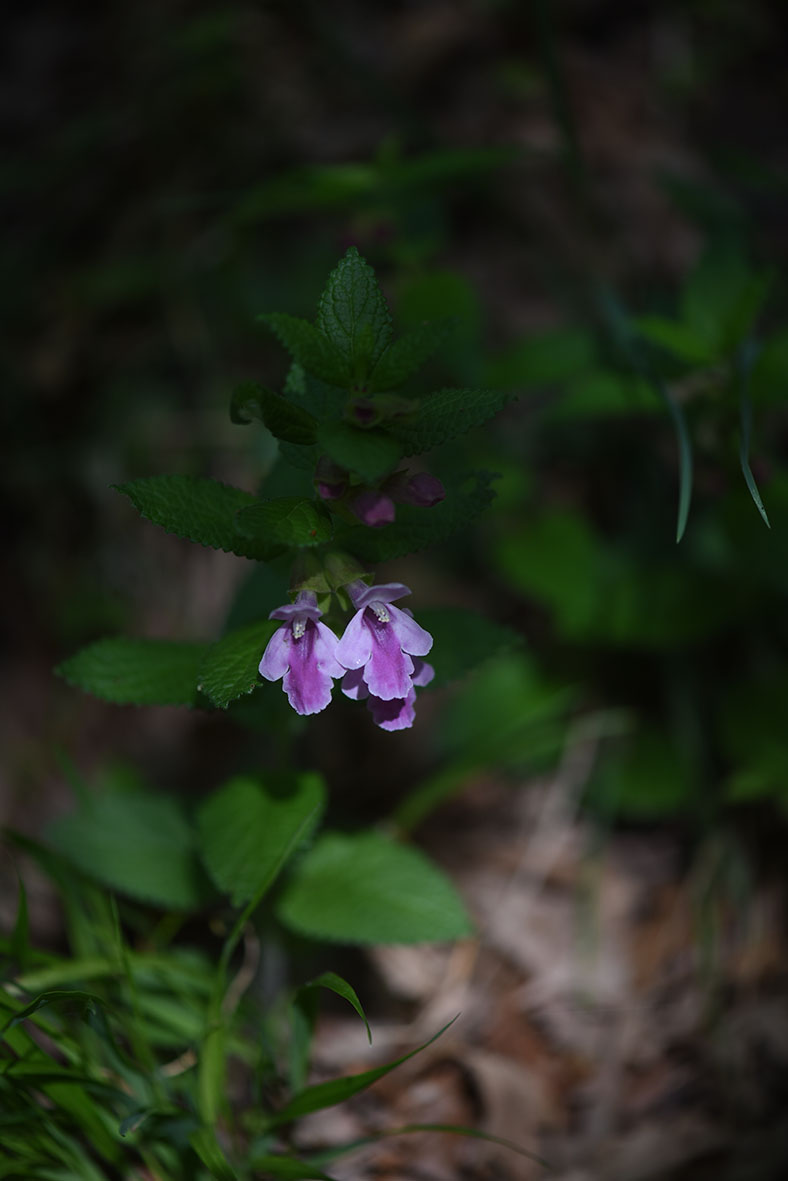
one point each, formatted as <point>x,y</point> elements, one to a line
<point>350,345</point>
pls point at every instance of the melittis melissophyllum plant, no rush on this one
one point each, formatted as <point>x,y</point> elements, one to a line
<point>353,437</point>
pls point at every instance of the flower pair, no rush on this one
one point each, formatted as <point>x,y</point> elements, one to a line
<point>378,656</point>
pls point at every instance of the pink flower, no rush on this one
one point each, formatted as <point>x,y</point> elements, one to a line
<point>303,654</point>
<point>397,714</point>
<point>381,640</point>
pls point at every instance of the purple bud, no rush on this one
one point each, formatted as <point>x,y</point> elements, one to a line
<point>330,480</point>
<point>425,490</point>
<point>373,508</point>
<point>420,489</point>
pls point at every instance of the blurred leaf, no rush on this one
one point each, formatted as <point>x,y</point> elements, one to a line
<point>601,592</point>
<point>723,296</point>
<point>751,731</point>
<point>212,1075</point>
<point>547,359</point>
<point>445,414</point>
<point>357,184</point>
<point>285,521</point>
<point>364,888</point>
<point>137,843</point>
<point>642,777</point>
<point>335,1091</point>
<point>507,712</point>
<point>310,347</point>
<point>131,671</point>
<point>284,420</point>
<point>289,1168</point>
<point>353,315</point>
<point>247,831</point>
<point>53,996</point>
<point>769,376</point>
<point>207,1147</point>
<point>680,339</point>
<point>19,943</point>
<point>599,393</point>
<point>229,667</point>
<point>198,509</point>
<point>685,459</point>
<point>463,640</point>
<point>368,453</point>
<point>406,355</point>
<point>415,528</point>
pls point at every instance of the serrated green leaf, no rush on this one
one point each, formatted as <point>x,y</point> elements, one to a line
<point>198,509</point>
<point>137,843</point>
<point>247,831</point>
<point>415,528</point>
<point>444,415</point>
<point>310,347</point>
<point>365,888</point>
<point>354,316</point>
<point>229,667</point>
<point>129,671</point>
<point>370,454</point>
<point>407,354</point>
<point>285,521</point>
<point>462,640</point>
<point>335,1091</point>
<point>284,420</point>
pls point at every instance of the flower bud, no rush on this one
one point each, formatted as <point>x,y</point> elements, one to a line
<point>373,508</point>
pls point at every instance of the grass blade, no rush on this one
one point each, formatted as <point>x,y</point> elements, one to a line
<point>744,362</point>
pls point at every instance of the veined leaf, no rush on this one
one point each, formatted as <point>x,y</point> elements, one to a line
<point>285,521</point>
<point>310,347</point>
<point>247,831</point>
<point>364,888</point>
<point>407,354</point>
<point>229,667</point>
<point>445,414</point>
<point>354,316</point>
<point>198,509</point>
<point>129,671</point>
<point>370,454</point>
<point>137,843</point>
<point>284,420</point>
